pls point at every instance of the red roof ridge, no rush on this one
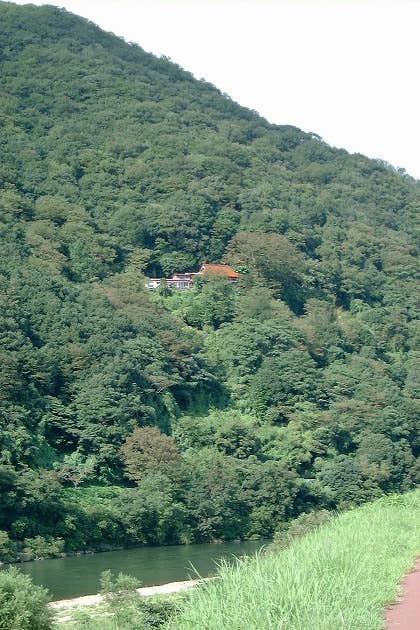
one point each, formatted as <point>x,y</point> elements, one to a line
<point>219,268</point>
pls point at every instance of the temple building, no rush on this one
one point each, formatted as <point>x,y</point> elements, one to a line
<point>182,281</point>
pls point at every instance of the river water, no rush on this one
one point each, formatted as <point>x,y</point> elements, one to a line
<point>80,575</point>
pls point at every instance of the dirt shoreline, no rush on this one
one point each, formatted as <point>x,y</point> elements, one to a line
<point>147,591</point>
<point>404,613</point>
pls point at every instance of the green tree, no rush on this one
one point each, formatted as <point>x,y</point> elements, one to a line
<point>238,439</point>
<point>148,450</point>
<point>273,257</point>
<point>284,380</point>
<point>213,304</point>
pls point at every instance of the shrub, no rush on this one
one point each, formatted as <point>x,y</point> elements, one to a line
<point>6,547</point>
<point>38,548</point>
<point>128,608</point>
<point>300,526</point>
<point>23,606</point>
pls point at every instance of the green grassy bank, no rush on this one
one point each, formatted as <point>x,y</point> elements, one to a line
<point>340,576</point>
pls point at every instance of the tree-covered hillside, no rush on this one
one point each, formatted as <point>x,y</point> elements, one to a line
<point>130,416</point>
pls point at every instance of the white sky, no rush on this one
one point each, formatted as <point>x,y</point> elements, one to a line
<point>347,70</point>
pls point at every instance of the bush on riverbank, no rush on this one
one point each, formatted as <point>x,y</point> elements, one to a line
<point>36,548</point>
<point>23,606</point>
<point>122,608</point>
<point>338,577</point>
<point>300,526</point>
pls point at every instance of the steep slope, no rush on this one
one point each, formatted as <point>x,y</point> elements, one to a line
<point>117,164</point>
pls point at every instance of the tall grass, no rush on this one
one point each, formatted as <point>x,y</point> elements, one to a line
<point>339,577</point>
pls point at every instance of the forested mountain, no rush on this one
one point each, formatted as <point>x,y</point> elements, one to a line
<point>132,417</point>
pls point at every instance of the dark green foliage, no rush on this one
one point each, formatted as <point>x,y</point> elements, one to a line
<point>152,514</point>
<point>215,501</point>
<point>273,257</point>
<point>239,440</point>
<point>214,304</point>
<point>294,390</point>
<point>284,380</point>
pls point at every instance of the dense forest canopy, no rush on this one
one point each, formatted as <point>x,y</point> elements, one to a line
<point>130,416</point>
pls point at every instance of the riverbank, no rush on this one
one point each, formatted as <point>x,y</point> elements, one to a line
<point>94,611</point>
<point>147,591</point>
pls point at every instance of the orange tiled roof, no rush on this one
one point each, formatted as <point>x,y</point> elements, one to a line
<point>220,270</point>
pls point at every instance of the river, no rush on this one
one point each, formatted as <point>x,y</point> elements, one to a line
<point>79,575</point>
